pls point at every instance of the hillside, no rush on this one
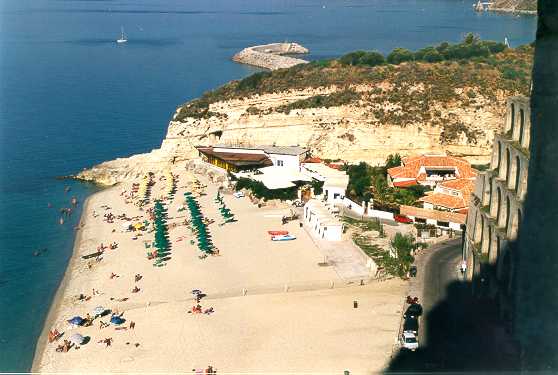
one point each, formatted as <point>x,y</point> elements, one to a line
<point>514,5</point>
<point>361,106</point>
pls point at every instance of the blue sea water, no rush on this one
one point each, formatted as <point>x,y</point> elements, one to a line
<point>71,97</point>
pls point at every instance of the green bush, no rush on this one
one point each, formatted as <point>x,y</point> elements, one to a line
<point>253,81</point>
<point>433,56</point>
<point>399,55</point>
<point>260,191</point>
<point>393,161</point>
<point>403,245</point>
<point>363,58</point>
<point>317,187</point>
<point>360,180</point>
<point>372,59</point>
<point>352,58</point>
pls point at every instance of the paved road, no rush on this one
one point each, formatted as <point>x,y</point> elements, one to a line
<point>457,331</point>
<point>440,271</point>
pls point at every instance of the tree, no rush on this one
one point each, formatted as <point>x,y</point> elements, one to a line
<point>373,58</point>
<point>471,38</point>
<point>359,181</point>
<point>352,58</point>
<point>433,56</point>
<point>403,245</point>
<point>393,160</point>
<point>399,55</point>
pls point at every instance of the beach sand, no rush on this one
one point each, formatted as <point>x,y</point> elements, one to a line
<point>274,306</point>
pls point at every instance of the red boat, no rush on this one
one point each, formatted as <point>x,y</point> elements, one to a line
<point>278,232</point>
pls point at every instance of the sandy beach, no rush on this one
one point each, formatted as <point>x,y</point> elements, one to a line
<point>275,308</point>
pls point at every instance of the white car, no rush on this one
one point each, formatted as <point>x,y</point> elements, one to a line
<point>238,194</point>
<point>409,341</point>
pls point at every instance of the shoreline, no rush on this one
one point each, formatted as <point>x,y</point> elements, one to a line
<point>513,11</point>
<point>56,304</point>
<point>281,297</point>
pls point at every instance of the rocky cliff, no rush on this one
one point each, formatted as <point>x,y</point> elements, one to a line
<point>516,6</point>
<point>344,112</point>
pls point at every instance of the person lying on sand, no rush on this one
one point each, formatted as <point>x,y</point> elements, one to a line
<point>136,289</point>
<point>113,275</point>
<point>196,309</point>
<point>53,335</point>
<point>65,347</point>
<point>88,321</point>
<point>107,342</point>
<point>103,324</point>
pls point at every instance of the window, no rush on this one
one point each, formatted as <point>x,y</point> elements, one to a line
<point>443,224</point>
<point>420,220</point>
<point>279,163</point>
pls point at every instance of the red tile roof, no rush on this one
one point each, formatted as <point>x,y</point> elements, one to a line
<point>405,183</point>
<point>432,214</point>
<point>463,185</point>
<point>411,166</point>
<point>445,200</point>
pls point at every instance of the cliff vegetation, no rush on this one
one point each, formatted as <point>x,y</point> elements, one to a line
<point>515,5</point>
<point>408,87</point>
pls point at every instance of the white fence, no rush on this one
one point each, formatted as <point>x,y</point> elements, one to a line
<point>359,210</point>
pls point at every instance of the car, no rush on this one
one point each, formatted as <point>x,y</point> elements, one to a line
<point>408,340</point>
<point>238,194</point>
<point>402,219</point>
<point>414,310</point>
<point>411,324</point>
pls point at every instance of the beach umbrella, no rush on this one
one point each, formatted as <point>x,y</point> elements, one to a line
<point>99,310</point>
<point>76,320</point>
<point>116,320</point>
<point>196,291</point>
<point>77,339</point>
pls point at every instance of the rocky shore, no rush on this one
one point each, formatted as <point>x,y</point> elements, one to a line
<point>271,56</point>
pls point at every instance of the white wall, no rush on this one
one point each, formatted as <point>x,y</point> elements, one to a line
<point>381,214</point>
<point>289,161</point>
<point>332,191</point>
<point>238,150</point>
<point>356,208</point>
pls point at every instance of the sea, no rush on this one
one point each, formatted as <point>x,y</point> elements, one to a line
<point>70,97</point>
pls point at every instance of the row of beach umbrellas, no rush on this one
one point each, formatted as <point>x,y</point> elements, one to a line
<point>225,212</point>
<point>199,227</point>
<point>143,190</point>
<point>170,188</point>
<point>161,241</point>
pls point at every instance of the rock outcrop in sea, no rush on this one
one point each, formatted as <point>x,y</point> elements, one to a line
<point>271,56</point>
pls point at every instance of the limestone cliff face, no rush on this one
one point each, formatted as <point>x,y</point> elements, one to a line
<point>340,111</point>
<point>347,132</point>
<point>518,6</point>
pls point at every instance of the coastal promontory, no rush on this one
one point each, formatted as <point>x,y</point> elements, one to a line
<point>271,56</point>
<point>360,107</point>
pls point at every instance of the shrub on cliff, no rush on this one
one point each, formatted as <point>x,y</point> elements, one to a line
<point>321,101</point>
<point>363,58</point>
<point>399,55</point>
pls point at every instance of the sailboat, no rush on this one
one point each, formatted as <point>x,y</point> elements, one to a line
<point>122,38</point>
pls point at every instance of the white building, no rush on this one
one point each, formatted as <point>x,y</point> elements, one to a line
<point>335,181</point>
<point>322,221</point>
